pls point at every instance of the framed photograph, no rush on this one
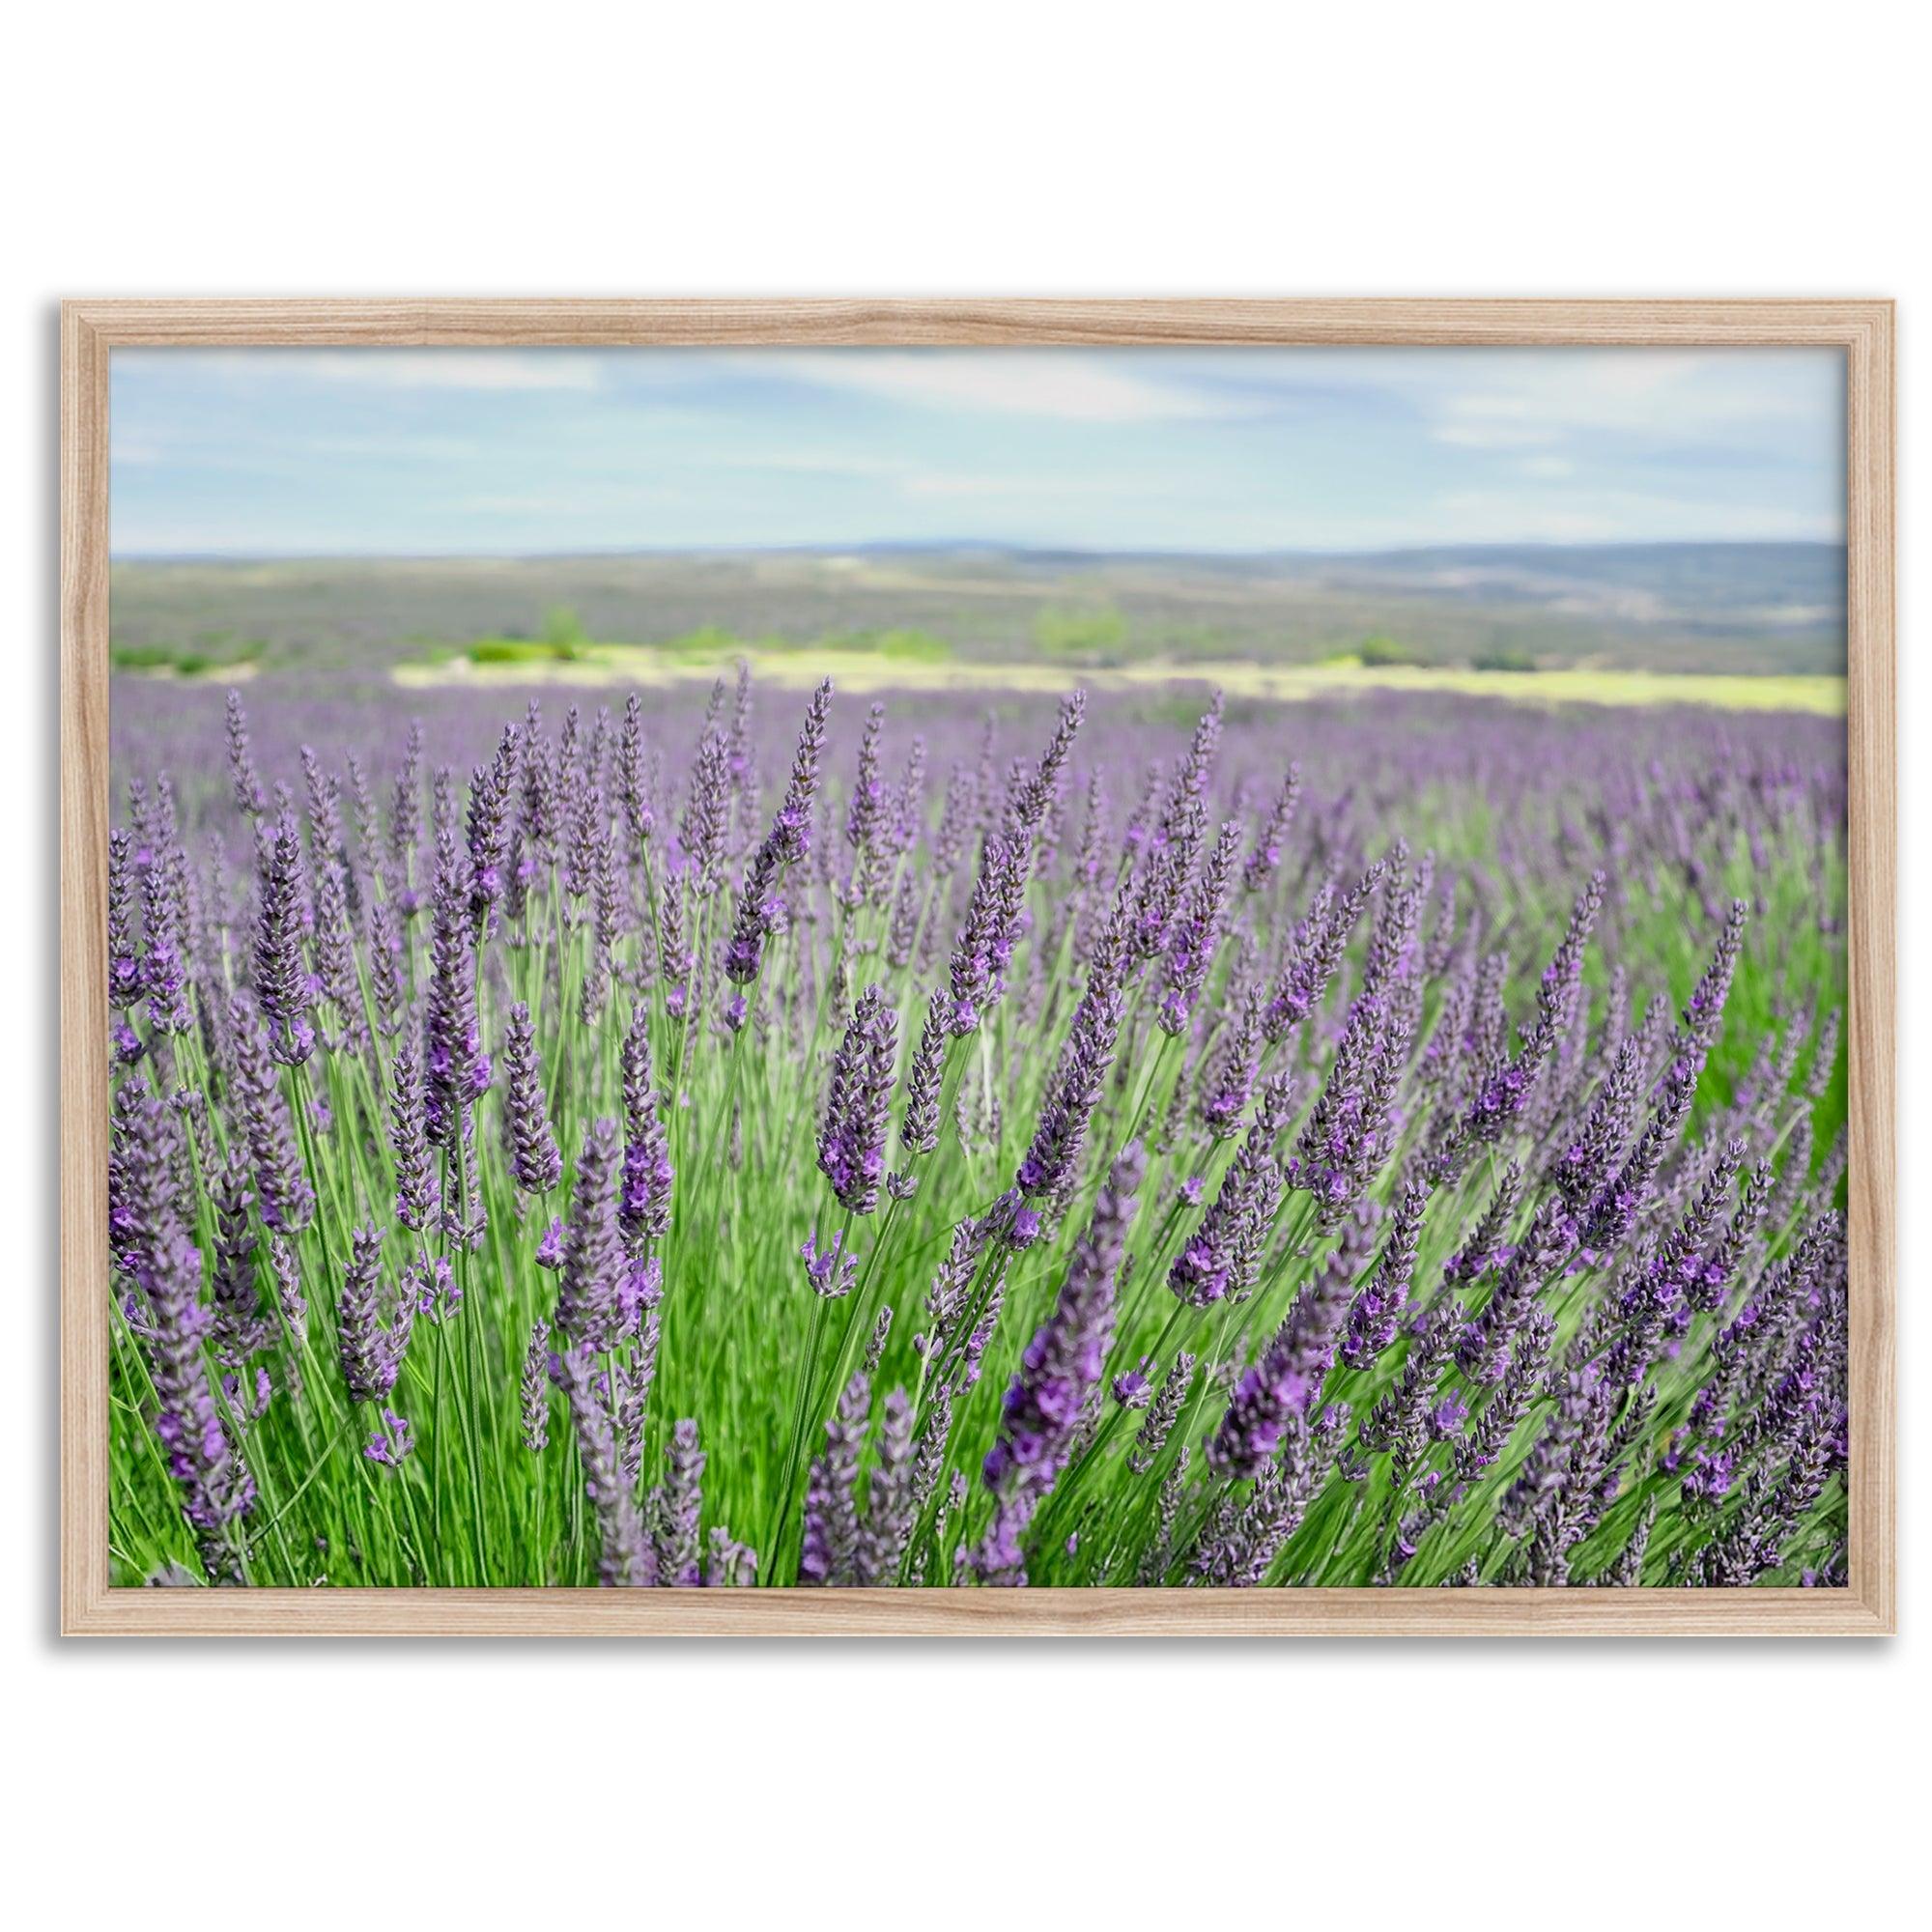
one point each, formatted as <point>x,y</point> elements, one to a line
<point>987,967</point>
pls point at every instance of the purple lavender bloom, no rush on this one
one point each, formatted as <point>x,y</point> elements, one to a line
<point>550,1248</point>
<point>1264,859</point>
<point>406,809</point>
<point>1220,1257</point>
<point>281,978</point>
<point>1050,1164</point>
<point>372,1353</point>
<point>1059,1371</point>
<point>491,790</point>
<point>633,788</point>
<point>918,1124</point>
<point>678,1538</point>
<point>980,957</point>
<point>1614,1209</point>
<point>243,780</point>
<point>830,1554</point>
<point>1282,1388</point>
<point>628,1559</point>
<point>1228,1080</point>
<point>852,1138</point>
<point>533,1389</point>
<point>165,923</point>
<point>409,1141</point>
<point>455,1067</point>
<point>534,1157</point>
<point>165,1269</point>
<point>1377,1309</point>
<point>1505,1088</point>
<point>1192,936</point>
<point>866,809</point>
<point>1171,849</point>
<point>788,841</point>
<point>1035,798</point>
<point>889,1501</point>
<point>587,1309</point>
<point>123,965</point>
<point>384,956</point>
<point>832,1270</point>
<point>644,1207</point>
<point>392,1444</point>
<point>281,1184</point>
<point>1316,952</point>
<point>706,817</point>
<point>240,1326</point>
<point>1346,1137</point>
<point>430,1285</point>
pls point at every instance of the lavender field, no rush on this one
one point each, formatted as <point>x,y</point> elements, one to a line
<point>1394,1141</point>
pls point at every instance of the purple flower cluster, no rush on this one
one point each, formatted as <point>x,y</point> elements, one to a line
<point>1480,1234</point>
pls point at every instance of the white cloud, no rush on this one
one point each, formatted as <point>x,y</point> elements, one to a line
<point>1495,435</point>
<point>1067,385</point>
<point>1610,515</point>
<point>455,368</point>
<point>946,483</point>
<point>1516,398</point>
<point>381,368</point>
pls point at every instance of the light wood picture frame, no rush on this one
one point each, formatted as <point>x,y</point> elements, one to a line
<point>93,330</point>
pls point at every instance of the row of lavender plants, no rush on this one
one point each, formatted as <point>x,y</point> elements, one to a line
<point>1066,1151</point>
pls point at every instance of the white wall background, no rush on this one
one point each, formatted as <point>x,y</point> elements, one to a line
<point>1400,148</point>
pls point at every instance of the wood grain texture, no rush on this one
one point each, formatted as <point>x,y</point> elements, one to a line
<point>486,322</point>
<point>1141,1614</point>
<point>1871,860</point>
<point>84,1262</point>
<point>91,329</point>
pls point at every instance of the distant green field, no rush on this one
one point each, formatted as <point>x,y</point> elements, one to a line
<point>1720,610</point>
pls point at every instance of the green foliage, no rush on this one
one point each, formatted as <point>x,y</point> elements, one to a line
<point>522,650</point>
<point>911,646</point>
<point>1380,652</point>
<point>211,651</point>
<point>563,632</point>
<point>143,657</point>
<point>1087,633</point>
<point>708,640</point>
<point>1502,657</point>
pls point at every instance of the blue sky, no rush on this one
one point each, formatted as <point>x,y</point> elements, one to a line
<point>269,452</point>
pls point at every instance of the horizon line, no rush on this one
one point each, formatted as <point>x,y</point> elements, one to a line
<point>983,545</point>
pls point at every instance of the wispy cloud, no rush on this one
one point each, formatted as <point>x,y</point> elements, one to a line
<point>1610,515</point>
<point>1012,382</point>
<point>406,451</point>
<point>949,483</point>
<point>394,369</point>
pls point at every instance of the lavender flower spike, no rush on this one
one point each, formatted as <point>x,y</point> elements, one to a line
<point>372,1354</point>
<point>830,1556</point>
<point>645,1204</point>
<point>852,1141</point>
<point>789,839</point>
<point>588,1284</point>
<point>1059,1373</point>
<point>281,978</point>
<point>245,783</point>
<point>409,1142</point>
<point>534,1157</point>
